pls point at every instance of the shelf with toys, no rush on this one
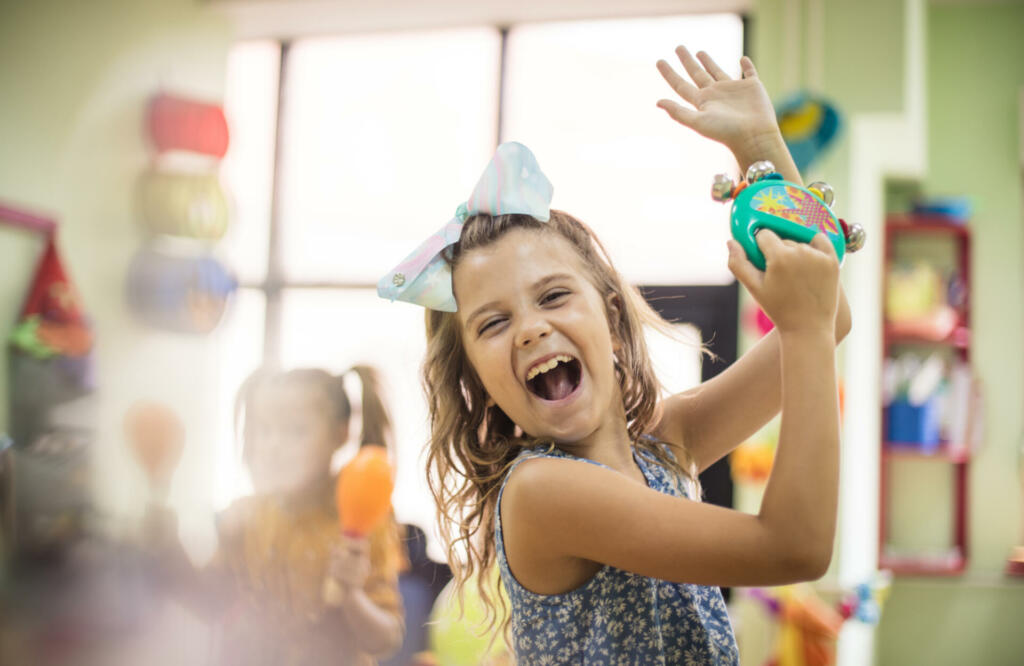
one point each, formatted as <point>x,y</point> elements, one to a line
<point>930,396</point>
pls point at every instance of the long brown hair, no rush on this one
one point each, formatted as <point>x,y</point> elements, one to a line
<point>376,420</point>
<point>472,443</point>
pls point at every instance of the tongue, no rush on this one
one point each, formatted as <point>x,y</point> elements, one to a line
<point>555,384</point>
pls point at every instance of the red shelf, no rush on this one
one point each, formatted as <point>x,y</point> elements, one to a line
<point>926,224</point>
<point>959,338</point>
<point>943,451</point>
<point>953,561</point>
<point>924,564</point>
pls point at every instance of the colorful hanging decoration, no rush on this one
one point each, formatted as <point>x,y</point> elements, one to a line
<point>52,412</point>
<point>809,124</point>
<point>187,294</point>
<point>51,322</point>
<point>179,203</point>
<point>186,291</point>
<point>179,123</point>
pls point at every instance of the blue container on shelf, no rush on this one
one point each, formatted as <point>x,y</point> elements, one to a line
<point>914,425</point>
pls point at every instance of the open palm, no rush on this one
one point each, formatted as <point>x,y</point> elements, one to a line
<point>733,112</point>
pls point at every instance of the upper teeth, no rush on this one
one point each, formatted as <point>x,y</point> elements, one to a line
<point>547,365</point>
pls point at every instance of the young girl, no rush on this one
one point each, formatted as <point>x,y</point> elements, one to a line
<point>547,432</point>
<point>277,547</point>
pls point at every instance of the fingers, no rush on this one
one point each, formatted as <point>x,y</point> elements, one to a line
<point>683,88</point>
<point>745,272</point>
<point>709,64</point>
<point>822,243</point>
<point>747,68</point>
<point>679,113</point>
<point>699,75</point>
<point>770,243</point>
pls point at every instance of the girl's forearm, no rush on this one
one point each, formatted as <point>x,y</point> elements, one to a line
<point>801,499</point>
<point>379,632</point>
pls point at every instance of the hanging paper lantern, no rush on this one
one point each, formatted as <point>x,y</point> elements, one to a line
<point>809,124</point>
<point>364,491</point>
<point>178,123</point>
<point>186,204</point>
<point>187,294</point>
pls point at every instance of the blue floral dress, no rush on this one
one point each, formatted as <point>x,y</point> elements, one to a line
<point>618,617</point>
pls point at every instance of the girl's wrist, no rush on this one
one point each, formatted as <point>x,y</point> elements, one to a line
<point>761,144</point>
<point>822,335</point>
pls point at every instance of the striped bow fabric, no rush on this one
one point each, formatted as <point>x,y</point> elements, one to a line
<point>512,183</point>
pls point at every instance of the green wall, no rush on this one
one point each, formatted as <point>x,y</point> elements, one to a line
<point>74,82</point>
<point>975,73</point>
<point>975,70</point>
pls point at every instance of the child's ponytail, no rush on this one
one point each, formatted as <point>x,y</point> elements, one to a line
<point>376,427</point>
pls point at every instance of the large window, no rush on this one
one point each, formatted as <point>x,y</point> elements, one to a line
<point>347,152</point>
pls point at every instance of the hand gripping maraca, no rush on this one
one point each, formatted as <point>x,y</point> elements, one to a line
<point>363,497</point>
<point>766,201</point>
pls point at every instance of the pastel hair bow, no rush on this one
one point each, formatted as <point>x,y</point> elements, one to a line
<point>512,183</point>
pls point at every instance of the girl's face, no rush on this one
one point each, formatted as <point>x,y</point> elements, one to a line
<point>536,331</point>
<point>290,437</point>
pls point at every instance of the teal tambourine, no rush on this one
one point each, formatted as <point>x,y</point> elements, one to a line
<point>766,201</point>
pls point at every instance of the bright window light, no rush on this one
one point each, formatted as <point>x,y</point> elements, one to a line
<point>250,104</point>
<point>382,136</point>
<point>240,340</point>
<point>582,96</point>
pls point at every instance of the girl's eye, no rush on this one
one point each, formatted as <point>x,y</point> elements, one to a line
<point>490,323</point>
<point>553,296</point>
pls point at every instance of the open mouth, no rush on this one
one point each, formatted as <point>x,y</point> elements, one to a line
<point>556,379</point>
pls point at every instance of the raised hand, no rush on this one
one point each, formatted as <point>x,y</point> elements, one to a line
<point>737,113</point>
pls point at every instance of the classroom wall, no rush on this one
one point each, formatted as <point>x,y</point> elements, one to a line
<point>975,73</point>
<point>973,69</point>
<point>75,78</point>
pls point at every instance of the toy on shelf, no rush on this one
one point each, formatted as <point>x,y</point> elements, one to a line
<point>765,200</point>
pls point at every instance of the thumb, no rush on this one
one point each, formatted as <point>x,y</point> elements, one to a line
<point>745,272</point>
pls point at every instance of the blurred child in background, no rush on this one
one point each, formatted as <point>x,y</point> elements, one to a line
<point>278,547</point>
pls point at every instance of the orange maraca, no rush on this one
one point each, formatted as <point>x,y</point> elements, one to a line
<point>363,496</point>
<point>157,437</point>
<point>364,491</point>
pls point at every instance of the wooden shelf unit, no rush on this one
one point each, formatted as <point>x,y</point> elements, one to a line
<point>953,561</point>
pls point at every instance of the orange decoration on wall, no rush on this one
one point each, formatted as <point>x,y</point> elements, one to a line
<point>157,437</point>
